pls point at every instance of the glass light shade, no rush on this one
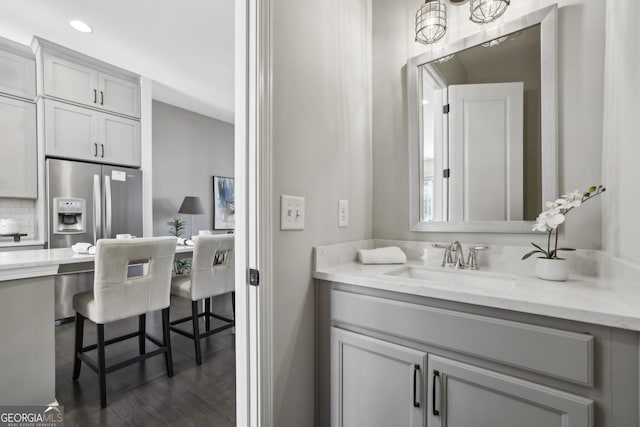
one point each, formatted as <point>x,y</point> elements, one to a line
<point>431,22</point>
<point>485,11</point>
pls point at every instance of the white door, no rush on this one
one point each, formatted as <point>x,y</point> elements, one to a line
<point>464,395</point>
<point>375,383</point>
<point>486,152</point>
<point>119,140</point>
<point>71,132</point>
<point>119,95</point>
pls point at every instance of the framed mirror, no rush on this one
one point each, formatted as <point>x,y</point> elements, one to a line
<point>482,128</point>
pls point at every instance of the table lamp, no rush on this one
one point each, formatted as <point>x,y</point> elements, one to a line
<point>191,205</point>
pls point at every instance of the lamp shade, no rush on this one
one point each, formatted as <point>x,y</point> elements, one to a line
<point>191,205</point>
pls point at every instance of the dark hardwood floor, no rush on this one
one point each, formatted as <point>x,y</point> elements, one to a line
<point>142,394</point>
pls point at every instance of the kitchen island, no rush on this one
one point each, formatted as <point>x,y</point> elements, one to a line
<point>27,334</point>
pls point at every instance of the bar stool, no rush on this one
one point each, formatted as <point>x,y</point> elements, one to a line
<point>115,297</point>
<point>212,274</point>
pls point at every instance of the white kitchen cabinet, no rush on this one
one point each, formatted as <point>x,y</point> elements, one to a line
<point>18,149</point>
<point>119,95</point>
<point>17,75</point>
<point>464,395</point>
<point>76,78</point>
<point>375,383</point>
<point>75,132</point>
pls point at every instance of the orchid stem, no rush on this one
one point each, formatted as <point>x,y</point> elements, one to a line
<point>555,252</point>
<point>549,243</point>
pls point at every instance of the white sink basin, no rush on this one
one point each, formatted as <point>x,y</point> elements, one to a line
<point>447,277</point>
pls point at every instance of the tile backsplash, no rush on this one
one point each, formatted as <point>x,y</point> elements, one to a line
<point>22,211</point>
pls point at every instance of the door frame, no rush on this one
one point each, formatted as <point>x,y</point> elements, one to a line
<point>252,171</point>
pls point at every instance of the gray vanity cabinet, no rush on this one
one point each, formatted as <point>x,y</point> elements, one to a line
<point>387,358</point>
<point>464,395</point>
<point>375,383</point>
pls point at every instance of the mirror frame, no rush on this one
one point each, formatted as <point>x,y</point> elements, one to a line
<point>547,18</point>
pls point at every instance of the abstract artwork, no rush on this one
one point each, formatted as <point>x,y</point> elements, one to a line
<point>223,203</point>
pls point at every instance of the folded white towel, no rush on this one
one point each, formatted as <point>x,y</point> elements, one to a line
<point>388,255</point>
<point>84,248</point>
<point>185,242</point>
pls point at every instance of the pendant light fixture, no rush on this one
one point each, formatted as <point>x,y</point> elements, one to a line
<point>485,11</point>
<point>431,22</point>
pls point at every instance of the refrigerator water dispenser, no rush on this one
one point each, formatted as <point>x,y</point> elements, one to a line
<point>68,216</point>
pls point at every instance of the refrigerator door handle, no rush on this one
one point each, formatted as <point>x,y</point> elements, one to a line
<point>107,210</point>
<point>97,210</point>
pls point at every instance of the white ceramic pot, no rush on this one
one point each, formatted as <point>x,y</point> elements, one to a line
<point>552,269</point>
<point>9,226</point>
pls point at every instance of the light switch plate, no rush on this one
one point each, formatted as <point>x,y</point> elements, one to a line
<point>343,213</point>
<point>291,213</point>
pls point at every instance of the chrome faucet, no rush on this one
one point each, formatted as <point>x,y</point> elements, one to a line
<point>454,257</point>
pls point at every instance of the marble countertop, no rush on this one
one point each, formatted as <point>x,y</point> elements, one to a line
<point>593,300</point>
<point>42,262</point>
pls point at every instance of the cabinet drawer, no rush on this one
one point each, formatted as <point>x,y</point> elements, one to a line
<point>557,353</point>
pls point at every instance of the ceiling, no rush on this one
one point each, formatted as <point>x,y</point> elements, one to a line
<point>185,47</point>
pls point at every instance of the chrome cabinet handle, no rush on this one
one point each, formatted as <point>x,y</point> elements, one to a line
<point>436,378</point>
<point>107,207</point>
<point>416,371</point>
<point>97,210</point>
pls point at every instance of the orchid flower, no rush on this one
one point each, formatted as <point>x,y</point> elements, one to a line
<point>548,221</point>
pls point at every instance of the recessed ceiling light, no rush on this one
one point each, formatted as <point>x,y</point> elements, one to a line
<point>80,26</point>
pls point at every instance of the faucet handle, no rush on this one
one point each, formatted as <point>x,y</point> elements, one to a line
<point>472,262</point>
<point>447,260</point>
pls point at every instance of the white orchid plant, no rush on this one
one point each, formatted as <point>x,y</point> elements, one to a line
<point>549,221</point>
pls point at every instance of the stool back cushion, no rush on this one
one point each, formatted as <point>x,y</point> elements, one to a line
<point>117,296</point>
<point>212,270</point>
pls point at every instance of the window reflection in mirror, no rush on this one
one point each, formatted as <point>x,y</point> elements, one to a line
<point>482,159</point>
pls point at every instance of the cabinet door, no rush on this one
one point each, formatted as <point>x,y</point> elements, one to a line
<point>17,75</point>
<point>71,131</point>
<point>70,81</point>
<point>375,383</point>
<point>463,395</point>
<point>119,95</point>
<point>18,151</point>
<point>121,139</point>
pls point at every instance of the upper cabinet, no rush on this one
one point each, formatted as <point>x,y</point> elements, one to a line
<point>18,136</point>
<point>72,77</point>
<point>17,72</point>
<point>91,109</point>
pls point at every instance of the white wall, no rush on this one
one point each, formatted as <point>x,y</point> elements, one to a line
<point>621,151</point>
<point>188,150</point>
<point>321,119</point>
<point>581,56</point>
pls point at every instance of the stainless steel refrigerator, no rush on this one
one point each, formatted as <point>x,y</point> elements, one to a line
<point>87,202</point>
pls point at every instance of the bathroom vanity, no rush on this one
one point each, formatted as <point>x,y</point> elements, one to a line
<point>418,345</point>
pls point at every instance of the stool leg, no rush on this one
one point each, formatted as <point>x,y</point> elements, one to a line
<point>77,363</point>
<point>207,310</point>
<point>168,358</point>
<point>233,305</point>
<point>102,374</point>
<point>142,328</point>
<point>196,331</point>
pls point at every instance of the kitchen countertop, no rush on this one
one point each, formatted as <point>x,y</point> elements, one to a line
<point>44,262</point>
<point>582,298</point>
